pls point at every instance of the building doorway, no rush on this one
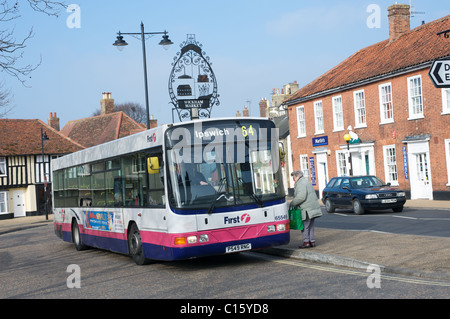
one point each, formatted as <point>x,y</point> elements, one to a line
<point>361,161</point>
<point>322,171</point>
<point>419,167</point>
<point>19,203</point>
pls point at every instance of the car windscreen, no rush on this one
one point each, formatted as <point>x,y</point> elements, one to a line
<point>365,182</point>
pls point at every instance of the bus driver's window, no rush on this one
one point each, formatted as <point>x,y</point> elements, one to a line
<point>155,180</point>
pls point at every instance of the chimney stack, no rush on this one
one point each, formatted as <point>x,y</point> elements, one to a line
<point>53,121</point>
<point>153,122</point>
<point>245,112</point>
<point>399,20</point>
<point>106,104</point>
<point>263,107</point>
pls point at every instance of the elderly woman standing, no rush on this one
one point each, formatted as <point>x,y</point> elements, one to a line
<point>305,198</point>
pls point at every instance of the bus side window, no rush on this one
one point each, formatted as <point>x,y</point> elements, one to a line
<point>58,188</point>
<point>155,179</point>
<point>84,180</point>
<point>133,181</point>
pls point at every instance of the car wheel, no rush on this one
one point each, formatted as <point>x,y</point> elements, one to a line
<point>329,206</point>
<point>357,208</point>
<point>398,209</point>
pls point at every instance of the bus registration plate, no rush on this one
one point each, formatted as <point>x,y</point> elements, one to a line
<point>235,248</point>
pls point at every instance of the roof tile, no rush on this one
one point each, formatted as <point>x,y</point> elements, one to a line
<point>23,137</point>
<point>415,47</point>
<point>100,129</point>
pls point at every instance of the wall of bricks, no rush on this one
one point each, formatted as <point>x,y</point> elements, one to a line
<point>434,123</point>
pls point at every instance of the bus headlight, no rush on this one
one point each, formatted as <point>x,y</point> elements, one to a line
<point>191,239</point>
<point>281,227</point>
<point>270,228</point>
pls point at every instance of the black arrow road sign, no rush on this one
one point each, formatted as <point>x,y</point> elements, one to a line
<point>440,73</point>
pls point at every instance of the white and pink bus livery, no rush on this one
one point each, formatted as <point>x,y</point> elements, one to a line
<point>178,191</point>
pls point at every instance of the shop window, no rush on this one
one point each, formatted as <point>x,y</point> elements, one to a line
<point>304,165</point>
<point>341,163</point>
<point>42,168</point>
<point>3,202</point>
<point>390,164</point>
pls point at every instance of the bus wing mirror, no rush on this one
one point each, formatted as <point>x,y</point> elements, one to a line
<point>153,165</point>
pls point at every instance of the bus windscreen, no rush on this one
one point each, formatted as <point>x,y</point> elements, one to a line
<point>231,163</point>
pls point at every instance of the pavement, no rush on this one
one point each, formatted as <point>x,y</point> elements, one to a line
<point>410,255</point>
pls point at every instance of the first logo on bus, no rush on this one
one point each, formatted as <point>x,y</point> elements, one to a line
<point>152,138</point>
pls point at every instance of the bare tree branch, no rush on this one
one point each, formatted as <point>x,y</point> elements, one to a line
<point>5,102</point>
<point>133,110</point>
<point>11,49</point>
<point>51,8</point>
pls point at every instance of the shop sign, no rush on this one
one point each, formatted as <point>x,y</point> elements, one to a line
<point>320,141</point>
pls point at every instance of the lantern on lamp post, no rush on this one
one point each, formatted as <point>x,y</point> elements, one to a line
<point>121,43</point>
<point>347,139</point>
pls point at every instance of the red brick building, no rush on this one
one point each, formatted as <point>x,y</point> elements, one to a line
<point>383,96</point>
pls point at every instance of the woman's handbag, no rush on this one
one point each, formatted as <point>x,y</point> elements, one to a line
<point>295,217</point>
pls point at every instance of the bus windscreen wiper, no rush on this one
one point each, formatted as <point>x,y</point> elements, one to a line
<point>219,195</point>
<point>250,193</point>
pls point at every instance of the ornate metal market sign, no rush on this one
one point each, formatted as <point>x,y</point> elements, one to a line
<point>192,83</point>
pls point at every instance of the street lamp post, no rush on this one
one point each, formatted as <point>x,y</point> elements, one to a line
<point>120,43</point>
<point>44,138</point>
<point>347,138</point>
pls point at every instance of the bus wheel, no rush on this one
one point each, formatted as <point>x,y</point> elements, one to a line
<point>76,237</point>
<point>135,246</point>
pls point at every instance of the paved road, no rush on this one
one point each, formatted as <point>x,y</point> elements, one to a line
<point>34,263</point>
<point>412,221</point>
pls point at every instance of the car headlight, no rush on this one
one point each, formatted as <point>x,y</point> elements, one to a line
<point>371,196</point>
<point>401,194</point>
